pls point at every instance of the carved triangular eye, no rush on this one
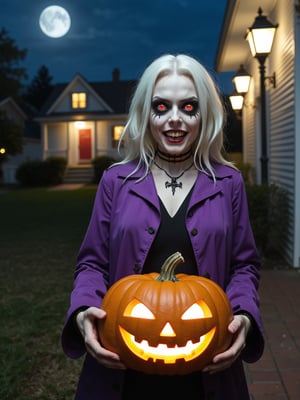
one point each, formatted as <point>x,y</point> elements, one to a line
<point>196,311</point>
<point>136,309</point>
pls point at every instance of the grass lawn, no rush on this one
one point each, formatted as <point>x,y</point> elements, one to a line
<point>40,234</point>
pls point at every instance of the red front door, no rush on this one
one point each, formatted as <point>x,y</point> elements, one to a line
<point>85,144</point>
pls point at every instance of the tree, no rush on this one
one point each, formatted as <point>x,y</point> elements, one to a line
<point>39,89</point>
<point>11,74</point>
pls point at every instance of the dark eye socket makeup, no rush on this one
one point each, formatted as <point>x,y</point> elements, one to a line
<point>188,106</point>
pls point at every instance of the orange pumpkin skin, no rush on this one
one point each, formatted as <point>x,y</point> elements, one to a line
<point>176,341</point>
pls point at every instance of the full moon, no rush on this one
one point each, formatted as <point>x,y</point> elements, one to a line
<point>55,21</point>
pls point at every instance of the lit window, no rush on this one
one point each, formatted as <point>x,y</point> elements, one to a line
<point>79,100</point>
<point>116,134</point>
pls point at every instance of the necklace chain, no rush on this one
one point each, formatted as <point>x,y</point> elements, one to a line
<point>173,184</point>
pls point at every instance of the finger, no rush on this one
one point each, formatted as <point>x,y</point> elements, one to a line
<point>227,358</point>
<point>235,325</point>
<point>107,358</point>
<point>94,312</point>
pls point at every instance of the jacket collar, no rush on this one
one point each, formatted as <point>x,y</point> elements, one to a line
<point>205,186</point>
<point>144,188</point>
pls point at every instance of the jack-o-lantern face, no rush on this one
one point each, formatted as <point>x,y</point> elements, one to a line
<point>172,326</point>
<point>169,349</point>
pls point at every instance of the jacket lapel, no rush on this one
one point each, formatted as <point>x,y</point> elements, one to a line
<point>145,188</point>
<point>205,187</point>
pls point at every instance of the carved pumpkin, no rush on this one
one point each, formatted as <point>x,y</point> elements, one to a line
<point>166,324</point>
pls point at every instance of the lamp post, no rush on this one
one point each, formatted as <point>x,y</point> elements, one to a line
<point>260,37</point>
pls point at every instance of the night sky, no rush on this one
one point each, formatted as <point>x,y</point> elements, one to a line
<point>108,34</point>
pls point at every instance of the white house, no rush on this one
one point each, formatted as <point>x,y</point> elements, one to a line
<point>282,100</point>
<point>31,142</point>
<point>79,121</point>
<point>83,120</point>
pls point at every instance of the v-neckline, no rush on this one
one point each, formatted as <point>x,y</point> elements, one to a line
<point>180,206</point>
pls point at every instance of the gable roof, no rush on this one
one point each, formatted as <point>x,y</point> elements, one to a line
<point>9,102</point>
<point>30,128</point>
<point>113,97</point>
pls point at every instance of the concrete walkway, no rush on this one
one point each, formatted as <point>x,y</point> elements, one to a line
<point>66,186</point>
<point>277,374</point>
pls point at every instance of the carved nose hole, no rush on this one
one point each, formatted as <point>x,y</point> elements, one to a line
<point>168,331</point>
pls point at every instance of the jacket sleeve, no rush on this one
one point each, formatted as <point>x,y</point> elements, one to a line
<point>242,288</point>
<point>92,269</point>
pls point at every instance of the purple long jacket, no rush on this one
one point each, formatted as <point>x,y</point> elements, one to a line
<point>123,225</point>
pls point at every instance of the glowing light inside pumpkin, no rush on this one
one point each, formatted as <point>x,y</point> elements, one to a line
<point>167,354</point>
<point>197,310</point>
<point>135,309</point>
<point>168,331</point>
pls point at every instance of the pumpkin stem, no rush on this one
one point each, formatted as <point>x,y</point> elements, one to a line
<point>167,272</point>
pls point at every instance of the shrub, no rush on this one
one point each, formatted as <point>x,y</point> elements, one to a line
<point>55,168</point>
<point>100,164</point>
<point>268,210</point>
<point>39,173</point>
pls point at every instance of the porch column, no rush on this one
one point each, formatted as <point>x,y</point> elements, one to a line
<point>95,139</point>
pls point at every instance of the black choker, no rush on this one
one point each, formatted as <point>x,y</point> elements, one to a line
<point>176,158</point>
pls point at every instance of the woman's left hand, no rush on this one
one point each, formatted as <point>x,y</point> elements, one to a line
<point>239,327</point>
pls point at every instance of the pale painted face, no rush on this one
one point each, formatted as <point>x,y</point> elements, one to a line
<point>175,116</point>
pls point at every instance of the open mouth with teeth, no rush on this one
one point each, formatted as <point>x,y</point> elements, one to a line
<point>175,136</point>
<point>167,354</point>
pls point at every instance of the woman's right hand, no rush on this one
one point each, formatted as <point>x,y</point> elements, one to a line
<point>87,323</point>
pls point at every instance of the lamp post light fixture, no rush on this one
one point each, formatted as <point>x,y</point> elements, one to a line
<point>260,37</point>
<point>241,80</point>
<point>237,101</point>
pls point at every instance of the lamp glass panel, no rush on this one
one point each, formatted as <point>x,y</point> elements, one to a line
<point>242,83</point>
<point>263,40</point>
<point>249,39</point>
<point>236,102</point>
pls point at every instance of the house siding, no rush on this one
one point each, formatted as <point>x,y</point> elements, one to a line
<point>282,102</point>
<point>282,118</point>
<point>56,140</point>
<point>64,104</point>
<point>249,136</point>
<point>296,259</point>
<point>32,149</point>
<point>251,133</point>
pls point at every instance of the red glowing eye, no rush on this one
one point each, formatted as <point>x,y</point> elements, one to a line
<point>161,107</point>
<point>188,107</point>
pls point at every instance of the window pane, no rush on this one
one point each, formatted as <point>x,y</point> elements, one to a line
<point>116,134</point>
<point>79,100</point>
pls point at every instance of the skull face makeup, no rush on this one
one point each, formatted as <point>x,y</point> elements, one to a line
<point>175,117</point>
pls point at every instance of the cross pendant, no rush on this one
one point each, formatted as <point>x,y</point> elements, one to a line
<point>173,185</point>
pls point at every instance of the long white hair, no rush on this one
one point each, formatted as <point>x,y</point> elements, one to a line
<point>136,136</point>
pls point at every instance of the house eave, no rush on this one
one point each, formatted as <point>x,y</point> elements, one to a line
<point>79,117</point>
<point>233,49</point>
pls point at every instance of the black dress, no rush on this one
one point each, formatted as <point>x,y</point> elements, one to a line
<point>172,236</point>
